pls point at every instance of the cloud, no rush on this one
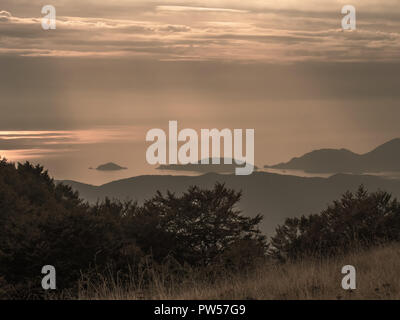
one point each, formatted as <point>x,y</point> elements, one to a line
<point>4,16</point>
<point>4,13</point>
<point>201,9</point>
<point>16,145</point>
<point>259,32</point>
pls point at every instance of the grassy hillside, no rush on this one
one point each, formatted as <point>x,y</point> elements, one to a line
<point>377,278</point>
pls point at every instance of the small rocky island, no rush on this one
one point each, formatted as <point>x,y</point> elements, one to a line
<point>110,166</point>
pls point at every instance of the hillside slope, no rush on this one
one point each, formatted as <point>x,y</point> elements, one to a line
<point>376,278</point>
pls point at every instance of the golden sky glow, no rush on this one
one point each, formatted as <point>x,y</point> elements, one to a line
<point>269,31</point>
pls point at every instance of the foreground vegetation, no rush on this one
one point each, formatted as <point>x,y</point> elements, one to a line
<point>194,245</point>
<point>377,278</point>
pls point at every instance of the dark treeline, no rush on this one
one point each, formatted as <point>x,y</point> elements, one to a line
<point>44,223</point>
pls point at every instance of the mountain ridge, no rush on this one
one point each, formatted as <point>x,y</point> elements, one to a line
<point>384,158</point>
<point>275,196</point>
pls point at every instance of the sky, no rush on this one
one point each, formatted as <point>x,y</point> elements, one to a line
<point>87,93</point>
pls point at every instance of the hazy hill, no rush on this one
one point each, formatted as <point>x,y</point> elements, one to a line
<point>275,196</point>
<point>384,158</point>
<point>204,168</point>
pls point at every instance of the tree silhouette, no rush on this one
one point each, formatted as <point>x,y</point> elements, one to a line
<point>359,219</point>
<point>196,227</point>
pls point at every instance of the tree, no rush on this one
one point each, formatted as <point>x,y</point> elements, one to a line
<point>46,223</point>
<point>196,227</point>
<point>359,219</point>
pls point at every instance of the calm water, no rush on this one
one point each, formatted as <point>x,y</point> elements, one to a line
<point>301,173</point>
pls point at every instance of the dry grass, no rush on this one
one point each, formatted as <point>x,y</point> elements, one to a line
<point>377,278</point>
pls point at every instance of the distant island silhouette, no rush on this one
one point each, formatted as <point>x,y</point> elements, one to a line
<point>204,168</point>
<point>385,158</point>
<point>110,166</point>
